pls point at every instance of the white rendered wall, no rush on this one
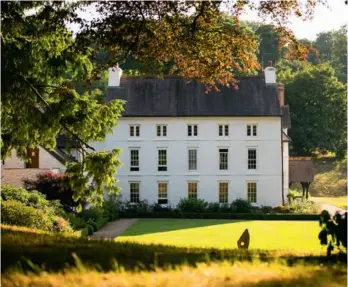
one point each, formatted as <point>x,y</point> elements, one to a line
<point>46,161</point>
<point>286,168</point>
<point>268,144</point>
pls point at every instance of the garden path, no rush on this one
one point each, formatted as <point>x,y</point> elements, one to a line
<point>113,229</point>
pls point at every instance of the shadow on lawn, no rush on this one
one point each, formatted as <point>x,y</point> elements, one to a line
<point>150,226</point>
<point>25,250</point>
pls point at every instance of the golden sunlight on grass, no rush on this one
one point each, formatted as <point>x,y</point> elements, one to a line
<point>213,275</point>
<point>222,234</point>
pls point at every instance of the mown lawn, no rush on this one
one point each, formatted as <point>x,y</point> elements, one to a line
<point>222,234</point>
<point>340,201</point>
<point>61,260</point>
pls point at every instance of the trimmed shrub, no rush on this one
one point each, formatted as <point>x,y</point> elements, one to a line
<point>281,209</point>
<point>92,213</point>
<point>266,209</point>
<point>241,206</point>
<point>101,222</point>
<point>192,205</point>
<point>77,222</point>
<point>17,213</point>
<point>213,207</point>
<point>141,206</point>
<point>92,223</point>
<point>111,209</point>
<point>90,229</point>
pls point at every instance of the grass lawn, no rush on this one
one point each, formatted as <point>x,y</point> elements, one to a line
<point>222,234</point>
<point>340,201</point>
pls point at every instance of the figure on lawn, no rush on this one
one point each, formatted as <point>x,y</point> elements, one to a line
<point>244,240</point>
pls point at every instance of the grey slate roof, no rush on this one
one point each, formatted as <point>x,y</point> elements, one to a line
<point>175,97</point>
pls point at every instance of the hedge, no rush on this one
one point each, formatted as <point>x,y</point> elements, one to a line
<point>250,216</point>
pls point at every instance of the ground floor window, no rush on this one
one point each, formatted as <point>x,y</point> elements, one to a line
<point>162,193</point>
<point>223,192</point>
<point>252,190</point>
<point>192,190</point>
<point>134,192</point>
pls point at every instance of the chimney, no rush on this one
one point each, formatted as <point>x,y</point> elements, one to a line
<point>281,94</point>
<point>270,74</point>
<point>115,74</point>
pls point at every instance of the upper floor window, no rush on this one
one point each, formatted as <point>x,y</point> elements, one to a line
<point>223,130</point>
<point>134,160</point>
<point>251,130</point>
<point>252,158</point>
<point>161,130</point>
<point>134,192</point>
<point>192,159</point>
<point>252,192</point>
<point>192,130</point>
<point>192,190</point>
<point>162,160</point>
<point>223,192</point>
<point>162,193</point>
<point>134,130</point>
<point>223,156</point>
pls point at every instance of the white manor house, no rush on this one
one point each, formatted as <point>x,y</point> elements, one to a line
<point>178,141</point>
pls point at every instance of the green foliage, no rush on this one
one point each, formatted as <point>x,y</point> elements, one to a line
<point>90,229</point>
<point>54,186</point>
<point>141,206</point>
<point>30,198</point>
<point>95,174</point>
<point>317,103</point>
<point>41,62</point>
<point>76,222</point>
<point>17,213</point>
<point>241,206</point>
<point>192,205</point>
<point>93,213</point>
<point>303,206</point>
<point>292,194</point>
<point>111,209</point>
<point>334,231</point>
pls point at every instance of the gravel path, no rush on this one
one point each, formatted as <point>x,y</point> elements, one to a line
<point>113,229</point>
<point>332,209</point>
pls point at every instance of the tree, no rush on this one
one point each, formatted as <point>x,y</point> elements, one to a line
<point>339,53</point>
<point>42,62</point>
<point>318,109</point>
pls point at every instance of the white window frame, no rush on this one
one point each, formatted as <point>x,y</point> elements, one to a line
<point>253,127</point>
<point>188,158</point>
<point>247,191</point>
<point>220,162</point>
<point>161,128</point>
<point>256,158</point>
<point>189,184</point>
<point>134,167</point>
<point>158,192</point>
<point>223,127</point>
<point>192,127</point>
<point>130,191</point>
<point>164,167</point>
<point>133,129</point>
<point>228,186</point>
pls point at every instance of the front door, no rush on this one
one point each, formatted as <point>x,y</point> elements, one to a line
<point>33,155</point>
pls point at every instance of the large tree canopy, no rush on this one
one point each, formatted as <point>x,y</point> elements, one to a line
<point>318,107</point>
<point>41,62</point>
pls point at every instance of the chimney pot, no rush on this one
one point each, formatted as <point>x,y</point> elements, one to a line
<point>269,63</point>
<point>115,74</point>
